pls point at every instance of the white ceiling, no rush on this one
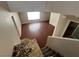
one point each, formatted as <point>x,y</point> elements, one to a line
<point>65,7</point>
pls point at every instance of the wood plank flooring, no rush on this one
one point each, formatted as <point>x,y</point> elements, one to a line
<point>40,31</point>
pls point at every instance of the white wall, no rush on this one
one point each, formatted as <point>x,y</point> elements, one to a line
<point>54,17</point>
<point>60,27</point>
<point>65,46</point>
<point>8,34</point>
<point>44,16</point>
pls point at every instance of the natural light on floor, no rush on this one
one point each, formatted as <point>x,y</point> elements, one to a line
<point>33,15</point>
<point>34,27</point>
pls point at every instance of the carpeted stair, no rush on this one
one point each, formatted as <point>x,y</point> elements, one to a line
<point>47,52</point>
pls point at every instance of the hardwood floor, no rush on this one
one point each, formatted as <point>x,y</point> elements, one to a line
<point>40,31</point>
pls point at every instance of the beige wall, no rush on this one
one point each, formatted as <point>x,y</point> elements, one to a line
<point>65,46</point>
<point>8,34</point>
<point>65,7</point>
<point>58,20</point>
<point>26,6</point>
<point>44,16</point>
<point>4,5</point>
<point>63,23</point>
<point>17,21</point>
